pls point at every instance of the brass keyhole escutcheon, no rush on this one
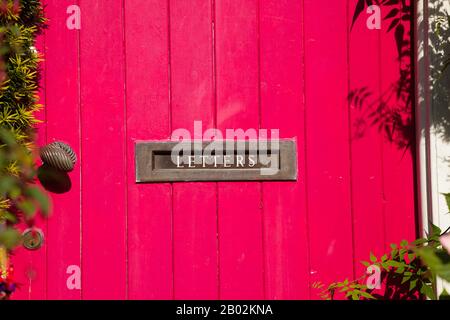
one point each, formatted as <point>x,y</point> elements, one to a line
<point>32,239</point>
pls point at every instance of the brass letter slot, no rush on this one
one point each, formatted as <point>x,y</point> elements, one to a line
<point>217,161</point>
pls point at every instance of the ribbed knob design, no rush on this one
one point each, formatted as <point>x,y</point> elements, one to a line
<point>58,155</point>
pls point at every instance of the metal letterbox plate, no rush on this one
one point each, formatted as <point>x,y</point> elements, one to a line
<point>238,161</point>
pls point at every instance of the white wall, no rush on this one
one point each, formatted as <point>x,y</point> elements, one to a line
<point>433,115</point>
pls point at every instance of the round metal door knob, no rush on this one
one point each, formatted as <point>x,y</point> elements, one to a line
<point>59,155</point>
<point>32,239</point>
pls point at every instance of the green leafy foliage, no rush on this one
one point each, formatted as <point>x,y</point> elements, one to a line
<point>441,30</point>
<point>353,290</point>
<point>20,23</point>
<point>23,199</point>
<point>20,199</point>
<point>409,270</point>
<point>447,199</point>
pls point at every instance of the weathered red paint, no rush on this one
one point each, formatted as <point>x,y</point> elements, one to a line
<point>138,70</point>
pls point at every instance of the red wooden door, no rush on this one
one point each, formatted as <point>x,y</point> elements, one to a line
<point>138,69</point>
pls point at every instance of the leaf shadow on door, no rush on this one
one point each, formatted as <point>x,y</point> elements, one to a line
<point>392,110</point>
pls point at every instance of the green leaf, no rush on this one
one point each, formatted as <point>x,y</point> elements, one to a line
<point>413,284</point>
<point>400,270</point>
<point>428,291</point>
<point>15,192</point>
<point>28,208</point>
<point>435,230</point>
<point>8,216</point>
<point>394,253</point>
<point>411,257</point>
<point>355,295</point>
<point>447,200</point>
<point>395,264</point>
<point>41,198</point>
<point>444,295</point>
<point>6,183</point>
<point>405,279</point>
<point>367,295</point>
<point>7,137</point>
<point>401,254</point>
<point>438,261</point>
<point>373,258</point>
<point>420,241</point>
<point>365,263</point>
<point>9,238</point>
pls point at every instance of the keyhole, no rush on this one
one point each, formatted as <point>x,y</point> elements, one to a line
<point>32,239</point>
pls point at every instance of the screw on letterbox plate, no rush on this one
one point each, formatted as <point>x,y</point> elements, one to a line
<point>32,239</point>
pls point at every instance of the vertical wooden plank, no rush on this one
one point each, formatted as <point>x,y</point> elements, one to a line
<point>31,266</point>
<point>282,107</point>
<point>38,259</point>
<point>327,141</point>
<point>22,269</point>
<point>366,138</point>
<point>195,242</point>
<point>103,137</point>
<point>148,118</point>
<point>63,113</point>
<point>240,221</point>
<point>194,204</point>
<point>398,122</point>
